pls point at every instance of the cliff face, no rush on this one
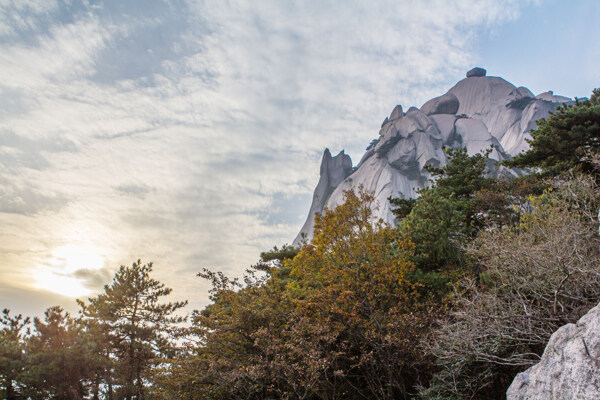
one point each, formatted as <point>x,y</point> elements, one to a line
<point>570,365</point>
<point>333,172</point>
<point>478,112</point>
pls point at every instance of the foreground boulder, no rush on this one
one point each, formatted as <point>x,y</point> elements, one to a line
<point>570,365</point>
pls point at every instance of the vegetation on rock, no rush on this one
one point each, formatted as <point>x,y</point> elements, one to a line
<point>567,139</point>
<point>450,304</point>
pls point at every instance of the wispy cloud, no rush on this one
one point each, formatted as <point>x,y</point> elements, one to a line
<point>189,133</point>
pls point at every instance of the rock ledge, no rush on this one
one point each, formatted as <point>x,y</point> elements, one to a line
<point>570,365</point>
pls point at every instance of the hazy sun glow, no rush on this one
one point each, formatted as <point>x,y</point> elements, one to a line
<point>57,274</point>
<point>74,258</point>
<point>62,284</point>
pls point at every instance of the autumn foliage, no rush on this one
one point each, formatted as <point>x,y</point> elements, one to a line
<point>339,319</point>
<point>449,304</point>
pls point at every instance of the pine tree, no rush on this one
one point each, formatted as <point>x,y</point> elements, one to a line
<point>60,358</point>
<point>12,332</point>
<point>447,213</point>
<point>567,139</point>
<point>137,327</point>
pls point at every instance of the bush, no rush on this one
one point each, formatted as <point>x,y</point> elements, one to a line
<point>534,278</point>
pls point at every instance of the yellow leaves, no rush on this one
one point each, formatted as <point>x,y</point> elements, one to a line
<point>355,267</point>
<point>345,293</point>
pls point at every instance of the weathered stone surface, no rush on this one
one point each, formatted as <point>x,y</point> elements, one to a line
<point>489,112</point>
<point>570,365</point>
<point>380,177</point>
<point>477,139</point>
<point>445,125</point>
<point>333,171</point>
<point>397,113</point>
<point>501,106</point>
<point>523,91</point>
<point>446,104</point>
<point>549,96</point>
<point>402,155</point>
<point>476,72</point>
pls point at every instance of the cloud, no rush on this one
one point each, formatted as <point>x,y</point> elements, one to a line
<point>16,198</point>
<point>134,190</point>
<point>18,17</point>
<point>93,279</point>
<point>189,133</point>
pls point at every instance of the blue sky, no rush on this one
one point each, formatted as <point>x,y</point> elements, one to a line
<point>549,47</point>
<point>189,133</point>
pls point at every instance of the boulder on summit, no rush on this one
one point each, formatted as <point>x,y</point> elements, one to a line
<point>477,71</point>
<point>475,113</point>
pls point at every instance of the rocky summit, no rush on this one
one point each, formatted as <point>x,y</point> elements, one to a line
<point>478,112</point>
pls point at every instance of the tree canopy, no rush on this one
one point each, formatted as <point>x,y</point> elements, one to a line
<point>451,303</point>
<point>447,213</point>
<point>136,327</point>
<point>567,139</point>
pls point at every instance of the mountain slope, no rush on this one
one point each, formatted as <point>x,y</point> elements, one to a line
<point>478,112</point>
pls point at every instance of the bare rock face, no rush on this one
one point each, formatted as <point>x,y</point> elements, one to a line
<point>446,104</point>
<point>396,113</point>
<point>333,171</point>
<point>476,72</point>
<point>549,96</point>
<point>478,112</point>
<point>570,365</point>
<point>508,112</point>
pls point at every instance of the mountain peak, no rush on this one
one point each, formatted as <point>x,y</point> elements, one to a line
<point>475,113</point>
<point>477,71</point>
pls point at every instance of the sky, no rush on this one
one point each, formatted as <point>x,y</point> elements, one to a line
<point>189,133</point>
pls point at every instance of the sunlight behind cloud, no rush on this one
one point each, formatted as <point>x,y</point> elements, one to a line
<point>72,258</point>
<point>60,273</point>
<point>62,284</point>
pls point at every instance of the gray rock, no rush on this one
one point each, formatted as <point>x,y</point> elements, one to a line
<point>446,104</point>
<point>476,72</point>
<point>523,91</point>
<point>518,135</point>
<point>445,125</point>
<point>475,113</point>
<point>477,139</point>
<point>397,113</point>
<point>414,121</point>
<point>570,365</point>
<point>402,155</point>
<point>333,171</point>
<point>549,96</point>
<point>500,106</point>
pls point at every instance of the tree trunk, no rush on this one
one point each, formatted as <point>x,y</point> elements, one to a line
<point>110,389</point>
<point>96,390</point>
<point>140,384</point>
<point>10,391</point>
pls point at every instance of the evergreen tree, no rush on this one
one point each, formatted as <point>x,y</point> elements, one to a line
<point>448,213</point>
<point>567,139</point>
<point>12,363</point>
<point>60,358</point>
<point>138,329</point>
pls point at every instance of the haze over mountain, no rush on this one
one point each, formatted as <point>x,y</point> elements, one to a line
<point>479,112</point>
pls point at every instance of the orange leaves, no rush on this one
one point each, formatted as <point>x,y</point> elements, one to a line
<point>332,319</point>
<point>355,267</point>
